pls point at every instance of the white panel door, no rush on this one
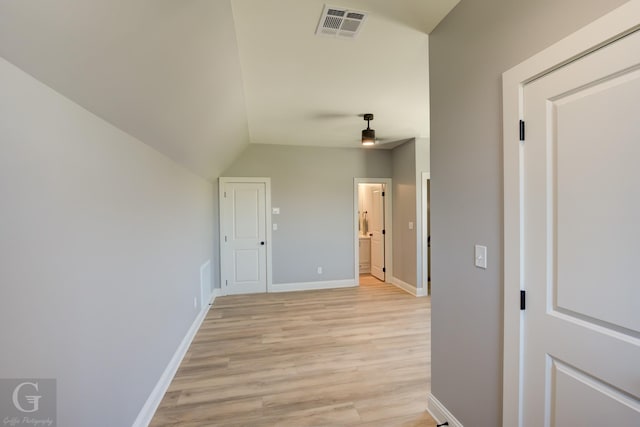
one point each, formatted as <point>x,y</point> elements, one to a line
<point>377,236</point>
<point>582,242</point>
<point>243,235</point>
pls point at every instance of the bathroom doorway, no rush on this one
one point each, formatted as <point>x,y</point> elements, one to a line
<point>372,228</point>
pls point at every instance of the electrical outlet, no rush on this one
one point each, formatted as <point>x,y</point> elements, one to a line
<point>275,227</point>
<point>275,211</point>
<point>319,270</point>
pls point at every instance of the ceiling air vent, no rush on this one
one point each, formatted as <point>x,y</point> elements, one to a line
<point>337,22</point>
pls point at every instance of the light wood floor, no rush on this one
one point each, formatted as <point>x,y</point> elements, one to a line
<point>341,357</point>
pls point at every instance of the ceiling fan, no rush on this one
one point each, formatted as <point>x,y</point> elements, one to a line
<point>368,135</point>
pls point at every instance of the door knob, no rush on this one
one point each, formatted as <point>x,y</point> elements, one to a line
<point>262,243</point>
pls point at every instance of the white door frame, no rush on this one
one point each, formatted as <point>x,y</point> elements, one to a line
<point>388,232</point>
<point>424,233</point>
<point>267,185</point>
<point>601,32</point>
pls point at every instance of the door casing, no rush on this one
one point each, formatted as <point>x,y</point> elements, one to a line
<point>424,231</point>
<point>601,32</point>
<point>267,183</point>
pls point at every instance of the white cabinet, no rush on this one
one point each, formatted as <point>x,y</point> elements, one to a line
<point>365,255</point>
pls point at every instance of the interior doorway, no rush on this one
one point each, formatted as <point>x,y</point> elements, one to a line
<point>372,212</point>
<point>245,235</point>
<point>571,358</point>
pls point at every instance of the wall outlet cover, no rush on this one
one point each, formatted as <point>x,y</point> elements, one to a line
<point>481,256</point>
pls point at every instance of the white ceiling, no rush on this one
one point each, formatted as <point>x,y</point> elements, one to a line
<point>303,89</point>
<point>172,74</point>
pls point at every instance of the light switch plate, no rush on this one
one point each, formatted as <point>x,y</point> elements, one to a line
<point>275,227</point>
<point>275,211</point>
<point>481,256</point>
<point>410,225</point>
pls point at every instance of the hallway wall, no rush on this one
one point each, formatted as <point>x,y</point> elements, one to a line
<point>101,243</point>
<point>469,51</point>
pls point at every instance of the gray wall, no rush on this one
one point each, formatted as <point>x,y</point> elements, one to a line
<point>469,51</point>
<point>101,243</point>
<point>313,187</point>
<point>404,211</point>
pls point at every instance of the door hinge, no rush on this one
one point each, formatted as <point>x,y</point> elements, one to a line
<point>225,238</point>
<point>384,231</point>
<point>225,194</point>
<point>384,270</point>
<point>523,300</point>
<point>521,130</point>
<point>226,283</point>
<point>383,194</point>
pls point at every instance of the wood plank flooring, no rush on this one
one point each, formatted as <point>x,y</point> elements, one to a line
<point>340,357</point>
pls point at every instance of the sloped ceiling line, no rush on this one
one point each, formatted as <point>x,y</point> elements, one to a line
<point>198,80</point>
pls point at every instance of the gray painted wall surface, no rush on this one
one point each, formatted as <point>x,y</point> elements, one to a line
<point>404,211</point>
<point>469,51</point>
<point>101,243</point>
<point>313,187</point>
<point>215,256</point>
<point>166,72</point>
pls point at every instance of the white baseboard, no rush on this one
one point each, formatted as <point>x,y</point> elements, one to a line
<point>440,413</point>
<point>153,401</point>
<point>422,292</point>
<point>308,286</point>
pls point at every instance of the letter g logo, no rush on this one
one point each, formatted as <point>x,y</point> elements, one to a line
<point>33,400</point>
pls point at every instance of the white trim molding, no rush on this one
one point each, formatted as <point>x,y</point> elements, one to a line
<point>153,401</point>
<point>423,236</point>
<point>416,292</point>
<point>603,31</point>
<point>312,286</point>
<point>440,413</point>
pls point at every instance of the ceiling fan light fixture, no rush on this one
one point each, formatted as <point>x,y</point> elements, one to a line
<point>368,134</point>
<point>368,137</point>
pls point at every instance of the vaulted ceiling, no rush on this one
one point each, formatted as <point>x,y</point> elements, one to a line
<point>200,79</point>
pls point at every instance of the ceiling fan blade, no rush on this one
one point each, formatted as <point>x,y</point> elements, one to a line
<point>333,115</point>
<point>390,143</point>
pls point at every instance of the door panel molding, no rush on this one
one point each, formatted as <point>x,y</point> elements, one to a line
<point>377,244</point>
<point>222,181</point>
<point>609,28</point>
